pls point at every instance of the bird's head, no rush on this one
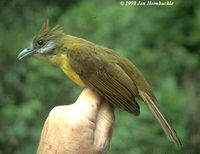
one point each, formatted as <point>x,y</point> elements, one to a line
<point>45,43</point>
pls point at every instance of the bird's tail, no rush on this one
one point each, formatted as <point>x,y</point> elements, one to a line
<point>167,127</point>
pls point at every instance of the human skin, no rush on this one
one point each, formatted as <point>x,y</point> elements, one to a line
<point>84,127</point>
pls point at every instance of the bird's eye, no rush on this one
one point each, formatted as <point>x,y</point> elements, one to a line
<point>40,42</point>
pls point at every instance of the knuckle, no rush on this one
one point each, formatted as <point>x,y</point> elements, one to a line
<point>56,111</point>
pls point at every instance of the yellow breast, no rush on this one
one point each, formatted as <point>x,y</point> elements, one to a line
<point>63,62</point>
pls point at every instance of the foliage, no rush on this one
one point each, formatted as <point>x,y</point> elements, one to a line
<point>163,42</point>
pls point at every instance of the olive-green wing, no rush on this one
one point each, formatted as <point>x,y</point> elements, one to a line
<point>106,77</point>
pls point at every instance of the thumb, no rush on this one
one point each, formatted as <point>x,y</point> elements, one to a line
<point>104,127</point>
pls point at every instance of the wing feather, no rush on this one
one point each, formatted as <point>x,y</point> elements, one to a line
<point>114,91</point>
<point>105,77</point>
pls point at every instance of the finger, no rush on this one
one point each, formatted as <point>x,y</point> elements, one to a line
<point>55,132</point>
<point>41,148</point>
<point>66,133</point>
<point>89,96</point>
<point>103,132</point>
<point>88,104</point>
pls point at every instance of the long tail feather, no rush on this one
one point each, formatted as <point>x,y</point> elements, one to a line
<point>167,127</point>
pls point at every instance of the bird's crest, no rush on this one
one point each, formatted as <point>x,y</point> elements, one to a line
<point>45,26</point>
<point>46,31</point>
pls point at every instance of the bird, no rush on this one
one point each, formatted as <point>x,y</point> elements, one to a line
<point>106,71</point>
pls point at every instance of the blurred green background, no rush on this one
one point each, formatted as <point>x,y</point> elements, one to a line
<point>163,42</point>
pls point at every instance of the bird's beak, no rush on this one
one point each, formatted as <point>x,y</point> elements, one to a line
<point>26,52</point>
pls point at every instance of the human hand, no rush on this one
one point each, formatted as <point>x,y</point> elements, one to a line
<point>84,127</point>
